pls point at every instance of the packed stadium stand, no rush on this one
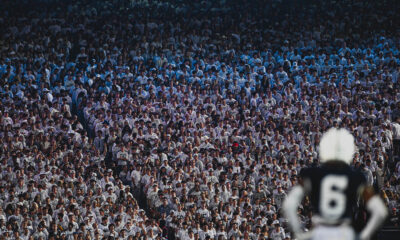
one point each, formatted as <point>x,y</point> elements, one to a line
<point>188,119</point>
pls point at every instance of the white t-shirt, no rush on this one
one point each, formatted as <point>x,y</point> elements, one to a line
<point>396,130</point>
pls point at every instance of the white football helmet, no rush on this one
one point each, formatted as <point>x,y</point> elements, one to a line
<point>336,144</point>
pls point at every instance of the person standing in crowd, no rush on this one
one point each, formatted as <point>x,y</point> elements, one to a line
<point>396,136</point>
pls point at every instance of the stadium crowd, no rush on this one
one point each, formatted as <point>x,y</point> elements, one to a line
<point>183,120</point>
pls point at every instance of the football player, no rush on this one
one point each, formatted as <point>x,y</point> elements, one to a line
<point>334,189</point>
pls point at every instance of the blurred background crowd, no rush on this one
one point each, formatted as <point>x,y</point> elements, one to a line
<point>187,119</point>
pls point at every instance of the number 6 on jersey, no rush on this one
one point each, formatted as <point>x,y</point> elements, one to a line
<point>333,198</point>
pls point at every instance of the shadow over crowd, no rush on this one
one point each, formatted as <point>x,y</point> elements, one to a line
<point>187,119</point>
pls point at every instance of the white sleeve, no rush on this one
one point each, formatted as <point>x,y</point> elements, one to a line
<point>290,206</point>
<point>378,211</point>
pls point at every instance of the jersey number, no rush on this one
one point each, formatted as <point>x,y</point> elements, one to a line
<point>333,199</point>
